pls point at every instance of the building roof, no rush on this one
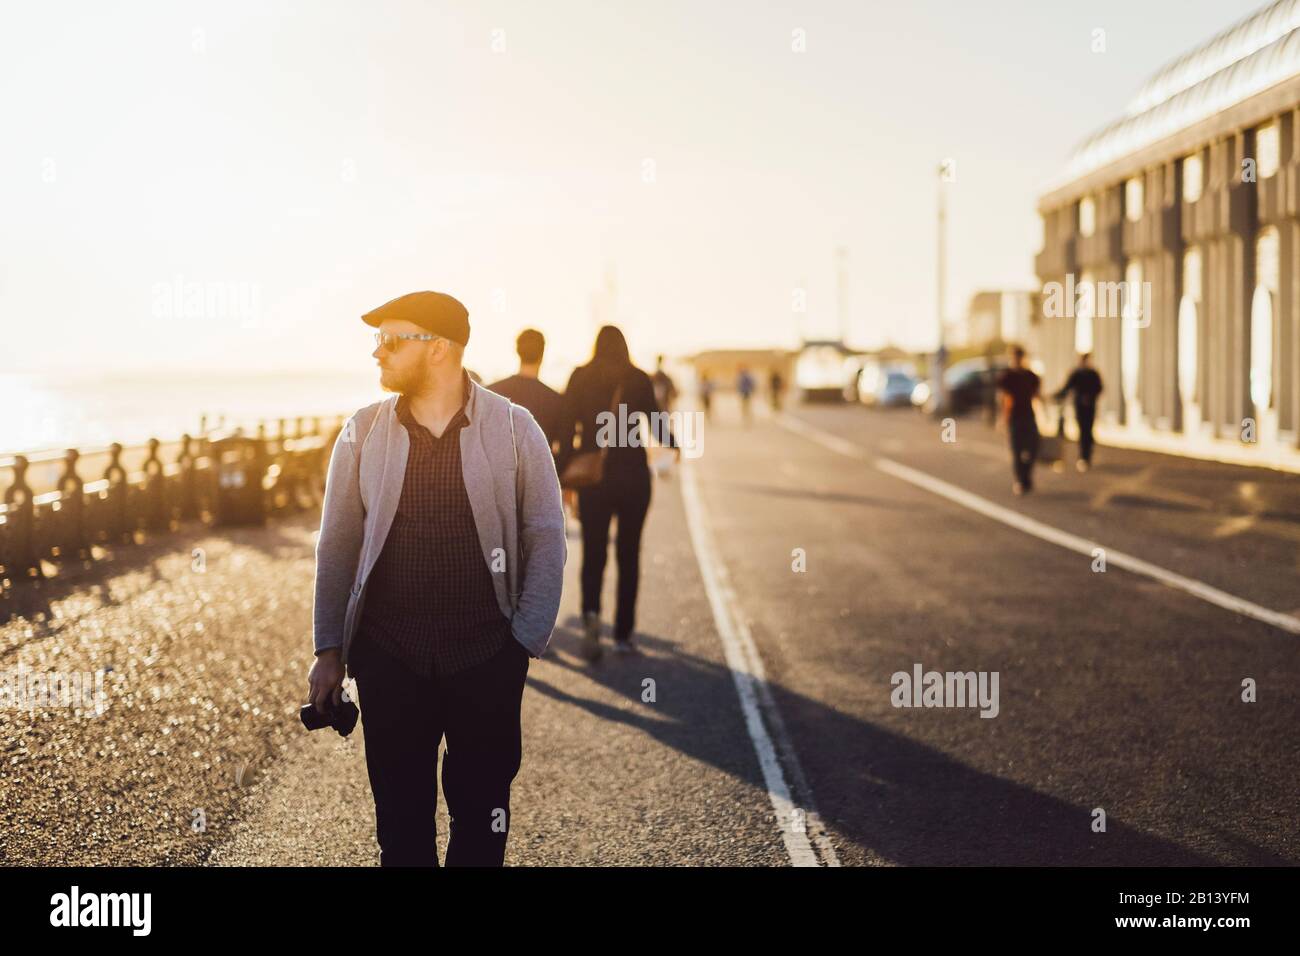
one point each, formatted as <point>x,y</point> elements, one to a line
<point>1247,58</point>
<point>985,299</point>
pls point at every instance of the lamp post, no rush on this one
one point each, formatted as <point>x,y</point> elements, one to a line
<point>946,173</point>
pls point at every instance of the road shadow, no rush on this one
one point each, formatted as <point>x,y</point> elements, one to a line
<point>903,800</point>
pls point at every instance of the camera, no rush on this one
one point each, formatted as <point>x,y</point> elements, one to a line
<point>342,717</point>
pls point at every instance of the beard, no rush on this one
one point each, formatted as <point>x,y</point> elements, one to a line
<point>410,381</point>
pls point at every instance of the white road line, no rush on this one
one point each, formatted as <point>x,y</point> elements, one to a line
<point>1065,539</point>
<point>813,433</point>
<point>798,823</point>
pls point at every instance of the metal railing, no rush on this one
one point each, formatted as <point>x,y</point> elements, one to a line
<point>52,517</point>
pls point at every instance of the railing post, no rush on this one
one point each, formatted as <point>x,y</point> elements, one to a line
<point>189,503</point>
<point>207,480</point>
<point>73,539</point>
<point>156,517</point>
<point>117,523</point>
<point>218,478</point>
<point>20,524</point>
<point>264,460</point>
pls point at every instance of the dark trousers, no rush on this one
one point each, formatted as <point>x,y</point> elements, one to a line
<point>1085,417</point>
<point>1024,449</point>
<point>404,717</point>
<point>628,499</point>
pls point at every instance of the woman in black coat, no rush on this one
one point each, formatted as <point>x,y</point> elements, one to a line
<point>624,490</point>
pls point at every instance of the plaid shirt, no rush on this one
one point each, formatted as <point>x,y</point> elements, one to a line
<point>430,600</point>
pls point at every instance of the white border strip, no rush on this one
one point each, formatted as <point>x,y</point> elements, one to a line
<point>1277,457</point>
<point>1072,542</point>
<point>756,699</point>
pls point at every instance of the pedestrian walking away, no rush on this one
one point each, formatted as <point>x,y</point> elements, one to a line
<point>776,389</point>
<point>665,388</point>
<point>745,386</point>
<point>707,386</point>
<point>610,471</point>
<point>423,594</point>
<point>1085,383</point>
<point>526,389</point>
<point>1020,388</point>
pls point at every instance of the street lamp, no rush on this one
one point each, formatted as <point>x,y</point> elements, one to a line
<point>947,173</point>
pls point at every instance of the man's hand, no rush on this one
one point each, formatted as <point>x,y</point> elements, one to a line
<point>325,680</point>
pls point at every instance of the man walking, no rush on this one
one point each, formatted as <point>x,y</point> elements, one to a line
<point>1019,386</point>
<point>706,387</point>
<point>526,389</point>
<point>776,388</point>
<point>745,387</point>
<point>439,567</point>
<point>1085,383</point>
<point>665,388</point>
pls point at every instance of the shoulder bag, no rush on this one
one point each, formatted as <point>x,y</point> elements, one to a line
<point>587,468</point>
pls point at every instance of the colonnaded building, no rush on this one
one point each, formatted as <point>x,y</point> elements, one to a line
<point>1171,251</point>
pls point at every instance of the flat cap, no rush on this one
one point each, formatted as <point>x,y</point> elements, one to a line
<point>435,312</point>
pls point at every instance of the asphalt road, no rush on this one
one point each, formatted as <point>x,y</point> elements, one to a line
<point>786,577</point>
<point>1117,691</point>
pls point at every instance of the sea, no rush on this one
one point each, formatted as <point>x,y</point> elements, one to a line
<point>40,412</point>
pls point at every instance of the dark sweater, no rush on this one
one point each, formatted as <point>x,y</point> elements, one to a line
<point>543,401</point>
<point>1085,383</point>
<point>591,391</point>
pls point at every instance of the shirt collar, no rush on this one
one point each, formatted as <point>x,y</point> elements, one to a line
<point>468,397</point>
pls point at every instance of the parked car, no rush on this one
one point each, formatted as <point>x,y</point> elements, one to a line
<point>823,372</point>
<point>969,385</point>
<point>886,387</point>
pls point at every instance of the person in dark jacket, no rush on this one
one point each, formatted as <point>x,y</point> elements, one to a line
<point>526,389</point>
<point>775,389</point>
<point>591,415</point>
<point>665,387</point>
<point>1019,386</point>
<point>707,386</point>
<point>745,386</point>
<point>1085,383</point>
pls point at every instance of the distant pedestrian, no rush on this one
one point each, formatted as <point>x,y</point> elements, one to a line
<point>407,600</point>
<point>707,387</point>
<point>665,390</point>
<point>1020,387</point>
<point>776,389</point>
<point>524,388</point>
<point>1085,383</point>
<point>745,386</point>
<point>610,390</point>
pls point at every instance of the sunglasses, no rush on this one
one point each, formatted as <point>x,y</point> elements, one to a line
<point>389,341</point>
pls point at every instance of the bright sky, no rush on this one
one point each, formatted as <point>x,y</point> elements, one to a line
<point>316,159</point>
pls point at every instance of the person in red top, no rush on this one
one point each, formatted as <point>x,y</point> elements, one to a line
<point>1020,387</point>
